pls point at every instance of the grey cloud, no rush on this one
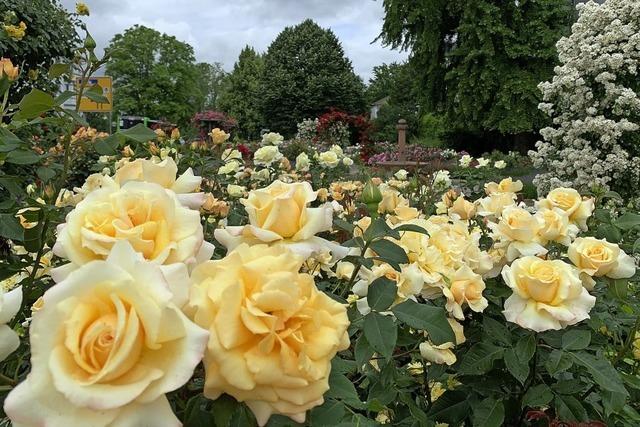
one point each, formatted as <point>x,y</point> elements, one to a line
<point>218,30</point>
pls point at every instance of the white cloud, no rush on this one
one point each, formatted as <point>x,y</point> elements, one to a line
<point>218,30</point>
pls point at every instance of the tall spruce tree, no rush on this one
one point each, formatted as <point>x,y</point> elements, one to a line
<point>481,60</point>
<point>240,96</point>
<point>306,73</point>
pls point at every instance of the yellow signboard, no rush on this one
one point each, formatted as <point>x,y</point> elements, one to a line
<point>89,106</point>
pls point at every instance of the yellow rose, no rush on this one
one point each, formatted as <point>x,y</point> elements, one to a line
<point>462,208</point>
<point>408,280</point>
<point>547,294</point>
<point>517,231</point>
<point>9,306</point>
<point>494,204</point>
<point>106,345</point>
<point>391,199</point>
<point>163,174</point>
<point>344,270</point>
<point>556,226</point>
<point>570,201</point>
<point>443,353</point>
<point>279,214</point>
<point>597,258</point>
<point>507,185</point>
<point>272,333</point>
<point>466,288</point>
<point>218,136</point>
<point>7,69</point>
<point>265,156</point>
<point>328,159</point>
<point>143,213</point>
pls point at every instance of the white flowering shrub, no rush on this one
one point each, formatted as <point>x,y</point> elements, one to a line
<point>594,142</point>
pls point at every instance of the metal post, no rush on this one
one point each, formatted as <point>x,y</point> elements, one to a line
<point>402,138</point>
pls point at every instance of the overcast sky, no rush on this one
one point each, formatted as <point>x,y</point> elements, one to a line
<point>218,29</point>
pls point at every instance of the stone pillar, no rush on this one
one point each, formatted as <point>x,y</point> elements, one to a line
<point>402,139</point>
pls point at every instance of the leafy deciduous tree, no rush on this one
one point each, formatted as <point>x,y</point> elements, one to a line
<point>154,75</point>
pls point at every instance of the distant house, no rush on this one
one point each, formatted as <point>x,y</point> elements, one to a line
<point>375,107</point>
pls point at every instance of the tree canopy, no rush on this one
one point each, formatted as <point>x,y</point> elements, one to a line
<point>305,73</point>
<point>480,61</point>
<point>240,96</point>
<point>154,75</point>
<point>210,78</point>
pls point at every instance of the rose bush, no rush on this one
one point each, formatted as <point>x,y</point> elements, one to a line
<point>208,283</point>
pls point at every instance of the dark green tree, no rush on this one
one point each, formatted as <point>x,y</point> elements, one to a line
<point>210,78</point>
<point>51,35</point>
<point>240,97</point>
<point>382,81</point>
<point>306,73</point>
<point>397,82</point>
<point>154,75</point>
<point>480,61</point>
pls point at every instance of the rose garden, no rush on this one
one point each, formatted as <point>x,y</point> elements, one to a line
<point>464,255</point>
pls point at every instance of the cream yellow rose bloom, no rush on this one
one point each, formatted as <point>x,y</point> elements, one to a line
<point>9,306</point>
<point>494,204</point>
<point>443,353</point>
<point>462,209</point>
<point>152,219</point>
<point>272,333</point>
<point>279,214</point>
<point>597,258</point>
<point>556,226</point>
<point>466,288</point>
<point>164,174</point>
<point>578,209</point>
<point>107,344</point>
<point>409,281</point>
<point>507,185</point>
<point>547,294</point>
<point>518,232</point>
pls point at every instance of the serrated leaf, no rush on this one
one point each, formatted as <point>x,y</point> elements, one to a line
<point>95,94</point>
<point>536,396</point>
<point>33,104</point>
<point>426,318</point>
<point>76,117</point>
<point>379,228</point>
<point>45,173</point>
<point>568,408</point>
<point>56,70</point>
<point>341,387</point>
<point>411,227</point>
<point>526,347</point>
<point>22,157</point>
<point>602,372</point>
<point>363,351</point>
<point>139,133</point>
<point>576,339</point>
<point>343,225</point>
<point>381,294</point>
<point>627,221</point>
<point>516,366</point>
<point>496,330</point>
<point>328,414</point>
<point>488,413</point>
<point>8,140</point>
<point>479,359</point>
<point>107,146</point>
<point>381,333</point>
<point>452,407</point>
<point>10,227</point>
<point>389,251</point>
<point>558,361</point>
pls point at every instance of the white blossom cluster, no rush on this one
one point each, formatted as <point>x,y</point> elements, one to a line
<point>593,101</point>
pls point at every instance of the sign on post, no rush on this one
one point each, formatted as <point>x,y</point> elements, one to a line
<point>89,106</point>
